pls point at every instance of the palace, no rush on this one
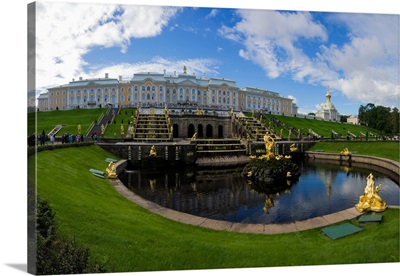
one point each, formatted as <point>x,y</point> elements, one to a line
<point>160,89</point>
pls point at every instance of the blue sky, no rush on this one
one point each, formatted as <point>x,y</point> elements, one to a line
<point>295,53</point>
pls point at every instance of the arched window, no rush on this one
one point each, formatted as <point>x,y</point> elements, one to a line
<point>121,98</point>
<point>148,88</point>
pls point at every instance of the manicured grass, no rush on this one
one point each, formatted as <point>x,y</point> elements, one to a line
<point>322,128</point>
<point>70,119</point>
<point>130,238</point>
<point>385,149</point>
<point>113,130</point>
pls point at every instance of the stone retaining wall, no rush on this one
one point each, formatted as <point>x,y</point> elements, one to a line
<point>387,166</point>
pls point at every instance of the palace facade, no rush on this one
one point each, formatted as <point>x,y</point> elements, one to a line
<point>160,89</point>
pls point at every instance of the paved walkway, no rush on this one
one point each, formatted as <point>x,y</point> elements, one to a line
<point>296,226</point>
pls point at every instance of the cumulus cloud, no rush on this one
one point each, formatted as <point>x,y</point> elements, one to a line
<point>364,67</point>
<point>213,13</point>
<point>157,64</point>
<point>65,32</point>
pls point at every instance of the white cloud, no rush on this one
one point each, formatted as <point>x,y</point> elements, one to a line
<point>157,64</point>
<point>67,31</point>
<point>269,38</point>
<point>212,14</point>
<point>293,98</point>
<point>364,68</point>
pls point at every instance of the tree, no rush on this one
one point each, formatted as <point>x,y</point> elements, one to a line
<point>395,120</point>
<point>55,255</point>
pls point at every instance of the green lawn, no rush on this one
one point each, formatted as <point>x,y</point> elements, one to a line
<point>130,238</point>
<point>69,119</point>
<point>322,128</point>
<point>113,130</point>
<point>385,149</point>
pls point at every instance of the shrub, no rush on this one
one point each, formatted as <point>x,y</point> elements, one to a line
<point>55,255</point>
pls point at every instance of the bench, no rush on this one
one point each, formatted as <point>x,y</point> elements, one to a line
<point>97,173</point>
<point>108,160</point>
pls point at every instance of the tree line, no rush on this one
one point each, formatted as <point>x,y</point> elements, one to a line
<point>381,118</point>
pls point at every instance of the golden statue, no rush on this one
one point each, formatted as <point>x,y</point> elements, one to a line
<point>132,130</point>
<point>122,129</point>
<point>153,151</point>
<point>371,201</point>
<point>102,129</point>
<point>171,129</point>
<point>111,172</point>
<point>79,129</point>
<point>199,112</point>
<point>194,137</point>
<point>269,145</point>
<point>293,148</point>
<point>345,152</point>
<point>184,69</point>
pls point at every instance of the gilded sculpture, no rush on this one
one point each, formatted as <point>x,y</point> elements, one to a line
<point>345,152</point>
<point>153,151</point>
<point>371,201</point>
<point>111,171</point>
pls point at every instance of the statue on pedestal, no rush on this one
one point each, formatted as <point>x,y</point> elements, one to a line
<point>371,201</point>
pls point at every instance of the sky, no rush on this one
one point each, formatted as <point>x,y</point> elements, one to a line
<point>297,53</point>
<point>74,55</point>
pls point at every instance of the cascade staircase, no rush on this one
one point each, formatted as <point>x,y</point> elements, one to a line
<point>219,147</point>
<point>151,128</point>
<point>105,120</point>
<point>254,128</point>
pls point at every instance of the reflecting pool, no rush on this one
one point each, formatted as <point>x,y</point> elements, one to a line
<point>224,194</point>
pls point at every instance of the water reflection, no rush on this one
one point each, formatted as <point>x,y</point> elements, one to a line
<point>226,195</point>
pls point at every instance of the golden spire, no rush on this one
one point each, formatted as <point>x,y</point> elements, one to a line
<point>328,94</point>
